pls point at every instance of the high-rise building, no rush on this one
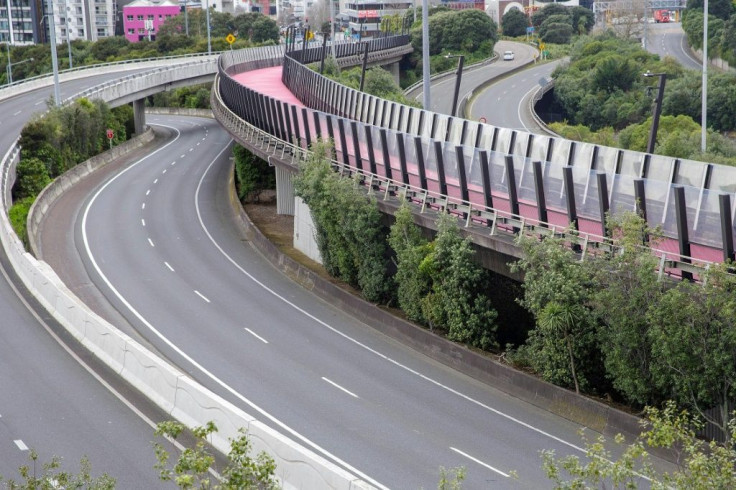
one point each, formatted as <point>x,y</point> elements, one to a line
<point>83,19</point>
<point>21,22</point>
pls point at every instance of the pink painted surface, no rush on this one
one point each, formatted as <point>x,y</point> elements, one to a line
<point>267,81</point>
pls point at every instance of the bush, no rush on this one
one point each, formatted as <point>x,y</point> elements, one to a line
<point>252,175</point>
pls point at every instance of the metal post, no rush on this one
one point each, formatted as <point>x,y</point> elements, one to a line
<point>68,38</point>
<point>724,202</point>
<point>440,167</point>
<point>603,200</point>
<point>425,55</point>
<point>704,98</point>
<point>356,144</point>
<point>365,64</point>
<point>539,192</point>
<point>420,162</point>
<point>209,35</point>
<point>386,156</point>
<point>460,62</point>
<point>513,196</point>
<point>657,109</point>
<point>324,51</point>
<point>402,158</point>
<point>683,235</point>
<point>54,60</point>
<point>460,156</point>
<point>641,205</point>
<point>186,18</point>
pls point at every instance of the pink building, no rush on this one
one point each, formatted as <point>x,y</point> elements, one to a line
<point>142,18</point>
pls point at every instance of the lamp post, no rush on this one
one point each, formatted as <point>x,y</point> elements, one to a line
<point>209,36</point>
<point>657,108</point>
<point>9,68</point>
<point>54,60</point>
<point>704,91</point>
<point>460,61</point>
<point>68,35</point>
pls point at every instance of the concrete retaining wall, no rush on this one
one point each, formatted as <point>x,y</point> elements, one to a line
<point>172,390</point>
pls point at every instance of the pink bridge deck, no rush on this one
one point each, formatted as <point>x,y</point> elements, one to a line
<point>267,81</point>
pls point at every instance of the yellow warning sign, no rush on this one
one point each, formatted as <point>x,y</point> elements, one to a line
<point>230,38</point>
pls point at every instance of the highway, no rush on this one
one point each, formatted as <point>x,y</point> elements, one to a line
<point>442,89</point>
<point>158,240</point>
<point>57,399</point>
<point>670,40</point>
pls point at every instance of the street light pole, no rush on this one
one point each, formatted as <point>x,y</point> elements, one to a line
<point>657,109</point>
<point>209,39</point>
<point>425,54</point>
<point>186,18</point>
<point>54,59</point>
<point>704,91</point>
<point>460,62</point>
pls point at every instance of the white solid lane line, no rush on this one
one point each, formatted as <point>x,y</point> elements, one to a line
<point>479,462</point>
<point>201,296</point>
<point>340,387</point>
<point>169,266</point>
<point>256,335</point>
<point>151,242</point>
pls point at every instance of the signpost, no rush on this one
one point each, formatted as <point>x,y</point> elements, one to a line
<point>110,136</point>
<point>230,40</point>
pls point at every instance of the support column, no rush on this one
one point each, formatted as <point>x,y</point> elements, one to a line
<point>393,68</point>
<point>284,192</point>
<point>139,115</point>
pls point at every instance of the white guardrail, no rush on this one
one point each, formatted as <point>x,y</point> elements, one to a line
<point>171,389</point>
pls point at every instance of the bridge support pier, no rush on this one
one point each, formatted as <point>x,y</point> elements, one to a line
<point>284,192</point>
<point>393,68</point>
<point>139,115</point>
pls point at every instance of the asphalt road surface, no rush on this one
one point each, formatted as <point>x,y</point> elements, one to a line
<point>159,241</point>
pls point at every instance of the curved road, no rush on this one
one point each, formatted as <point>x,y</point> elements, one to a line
<point>442,89</point>
<point>160,241</point>
<point>57,399</point>
<point>670,40</point>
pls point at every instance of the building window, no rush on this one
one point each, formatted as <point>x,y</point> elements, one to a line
<point>101,32</point>
<point>150,16</point>
<point>130,18</point>
<point>140,17</point>
<point>168,16</point>
<point>131,31</point>
<point>141,30</point>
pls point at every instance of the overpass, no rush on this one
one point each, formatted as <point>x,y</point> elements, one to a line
<point>498,181</point>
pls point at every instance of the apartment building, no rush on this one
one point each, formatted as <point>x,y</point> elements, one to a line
<point>142,18</point>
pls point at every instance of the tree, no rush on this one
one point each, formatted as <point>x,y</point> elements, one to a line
<point>557,291</point>
<point>693,336</point>
<point>457,301</point>
<point>514,23</point>
<point>700,465</point>
<point>253,175</point>
<point>31,178</point>
<point>722,9</point>
<point>410,249</point>
<point>557,32</point>
<point>627,289</point>
<point>191,469</point>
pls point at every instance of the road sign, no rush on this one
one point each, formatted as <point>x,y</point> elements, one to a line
<point>230,38</point>
<point>110,134</point>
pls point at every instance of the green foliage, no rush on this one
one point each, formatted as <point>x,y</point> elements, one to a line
<point>411,249</point>
<point>627,289</point>
<point>451,479</point>
<point>456,31</point>
<point>51,476</point>
<point>18,215</point>
<point>693,335</point>
<point>32,177</point>
<point>192,97</point>
<point>71,134</point>
<point>350,236</point>
<point>252,174</point>
<point>700,465</point>
<point>557,291</point>
<point>514,23</point>
<point>191,470</point>
<point>457,301</point>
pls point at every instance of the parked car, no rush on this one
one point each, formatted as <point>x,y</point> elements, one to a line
<point>508,55</point>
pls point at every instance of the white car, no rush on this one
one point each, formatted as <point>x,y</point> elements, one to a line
<point>508,55</point>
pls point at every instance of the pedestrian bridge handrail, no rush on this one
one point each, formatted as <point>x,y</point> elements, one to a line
<point>264,130</point>
<point>703,192</point>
